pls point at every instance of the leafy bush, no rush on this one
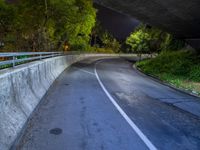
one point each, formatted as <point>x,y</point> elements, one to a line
<point>195,73</point>
<point>180,68</point>
<point>176,63</point>
<point>100,50</point>
<point>139,41</point>
<point>33,26</point>
<point>147,39</point>
<point>110,42</point>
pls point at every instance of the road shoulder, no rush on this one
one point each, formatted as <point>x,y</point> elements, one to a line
<point>192,106</point>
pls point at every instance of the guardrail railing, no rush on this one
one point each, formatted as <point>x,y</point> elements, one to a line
<point>13,59</point>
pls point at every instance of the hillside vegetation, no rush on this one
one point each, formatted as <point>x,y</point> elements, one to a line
<point>173,64</point>
<point>35,25</point>
<point>180,68</point>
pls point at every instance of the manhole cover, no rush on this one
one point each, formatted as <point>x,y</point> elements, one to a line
<point>55,131</point>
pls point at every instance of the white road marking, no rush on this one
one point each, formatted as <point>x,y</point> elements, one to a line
<point>126,117</point>
<point>84,71</point>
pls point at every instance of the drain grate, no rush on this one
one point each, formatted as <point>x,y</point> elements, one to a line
<point>55,131</point>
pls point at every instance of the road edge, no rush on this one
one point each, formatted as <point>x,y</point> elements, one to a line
<point>187,108</point>
<point>164,83</point>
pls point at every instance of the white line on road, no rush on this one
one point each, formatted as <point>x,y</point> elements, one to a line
<point>84,70</point>
<point>126,117</point>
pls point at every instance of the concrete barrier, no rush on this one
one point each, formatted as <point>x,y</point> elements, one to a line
<point>22,88</point>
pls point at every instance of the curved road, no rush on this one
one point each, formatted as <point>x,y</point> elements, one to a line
<point>104,104</point>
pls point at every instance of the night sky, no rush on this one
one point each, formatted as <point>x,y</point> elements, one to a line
<point>118,24</point>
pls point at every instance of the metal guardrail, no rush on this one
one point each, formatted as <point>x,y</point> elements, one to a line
<point>14,59</point>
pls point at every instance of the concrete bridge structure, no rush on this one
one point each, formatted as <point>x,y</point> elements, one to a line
<point>179,17</point>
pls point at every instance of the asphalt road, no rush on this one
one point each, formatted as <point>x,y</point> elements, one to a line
<point>104,104</point>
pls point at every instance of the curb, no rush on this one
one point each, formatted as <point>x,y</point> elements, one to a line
<point>164,83</point>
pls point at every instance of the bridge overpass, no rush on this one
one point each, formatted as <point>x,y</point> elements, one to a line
<point>179,17</point>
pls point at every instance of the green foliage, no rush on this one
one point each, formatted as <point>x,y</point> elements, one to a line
<point>101,50</point>
<point>79,30</point>
<point>107,41</point>
<point>7,15</point>
<point>176,63</point>
<point>110,42</point>
<point>7,22</point>
<point>116,46</point>
<point>195,73</point>
<point>151,39</point>
<point>139,41</point>
<point>171,43</point>
<point>180,68</point>
<point>47,24</point>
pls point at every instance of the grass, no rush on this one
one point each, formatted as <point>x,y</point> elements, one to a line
<point>5,66</point>
<point>18,63</point>
<point>179,68</point>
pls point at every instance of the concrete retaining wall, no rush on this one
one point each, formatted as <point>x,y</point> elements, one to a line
<point>22,88</point>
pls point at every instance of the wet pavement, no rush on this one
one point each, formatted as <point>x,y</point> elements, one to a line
<point>76,114</point>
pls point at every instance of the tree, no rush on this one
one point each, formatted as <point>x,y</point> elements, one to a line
<point>7,22</point>
<point>146,39</point>
<point>139,41</point>
<point>81,19</point>
<point>110,42</point>
<point>96,35</point>
<point>47,24</point>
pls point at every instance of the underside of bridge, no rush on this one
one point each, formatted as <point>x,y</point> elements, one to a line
<point>179,17</point>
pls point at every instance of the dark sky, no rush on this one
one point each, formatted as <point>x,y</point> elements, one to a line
<point>118,24</point>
